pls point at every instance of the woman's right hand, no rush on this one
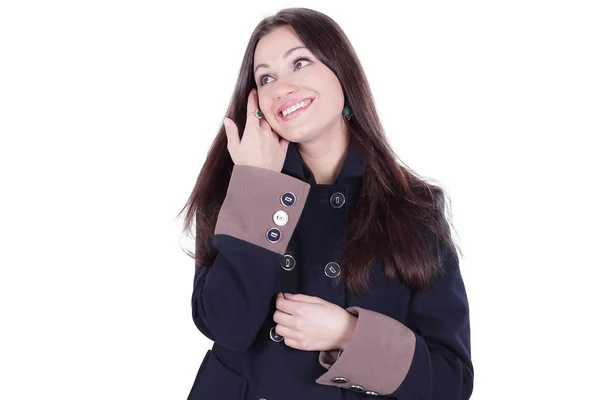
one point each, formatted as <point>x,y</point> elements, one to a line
<point>259,145</point>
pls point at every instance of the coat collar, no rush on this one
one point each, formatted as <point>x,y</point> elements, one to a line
<point>353,166</point>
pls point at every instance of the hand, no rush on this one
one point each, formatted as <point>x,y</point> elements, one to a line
<point>312,324</point>
<point>259,146</point>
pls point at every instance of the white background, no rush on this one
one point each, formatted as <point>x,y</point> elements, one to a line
<point>107,110</point>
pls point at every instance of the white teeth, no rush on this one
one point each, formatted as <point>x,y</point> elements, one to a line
<point>295,107</point>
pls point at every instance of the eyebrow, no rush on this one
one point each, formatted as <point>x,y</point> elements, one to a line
<point>285,55</point>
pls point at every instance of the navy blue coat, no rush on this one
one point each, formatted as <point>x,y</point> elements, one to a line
<point>233,301</point>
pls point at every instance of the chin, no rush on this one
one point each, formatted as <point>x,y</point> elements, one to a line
<point>295,135</point>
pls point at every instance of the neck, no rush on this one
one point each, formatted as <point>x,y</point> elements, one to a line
<point>325,155</point>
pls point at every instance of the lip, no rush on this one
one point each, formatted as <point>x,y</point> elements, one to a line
<point>291,103</point>
<point>297,112</point>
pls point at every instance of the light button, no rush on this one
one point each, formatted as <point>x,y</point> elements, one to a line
<point>280,218</point>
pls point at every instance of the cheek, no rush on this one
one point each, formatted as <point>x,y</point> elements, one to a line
<point>333,87</point>
<point>325,79</point>
<point>270,117</point>
<point>265,107</point>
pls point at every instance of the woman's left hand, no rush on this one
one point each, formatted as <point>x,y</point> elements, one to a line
<point>312,324</point>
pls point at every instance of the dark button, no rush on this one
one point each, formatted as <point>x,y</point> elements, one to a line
<point>288,199</point>
<point>339,379</point>
<point>274,336</point>
<point>273,235</point>
<point>288,262</point>
<point>370,392</point>
<point>333,269</point>
<point>356,388</point>
<point>337,200</point>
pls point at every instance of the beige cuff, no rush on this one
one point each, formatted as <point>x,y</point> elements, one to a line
<point>262,207</point>
<point>376,359</point>
<point>327,358</point>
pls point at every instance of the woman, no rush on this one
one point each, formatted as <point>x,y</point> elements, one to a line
<point>324,268</point>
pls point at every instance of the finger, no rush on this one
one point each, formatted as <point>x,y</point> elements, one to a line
<point>251,107</point>
<point>283,144</point>
<point>283,319</point>
<point>231,130</point>
<point>287,333</point>
<point>264,124</point>
<point>285,306</point>
<point>294,343</point>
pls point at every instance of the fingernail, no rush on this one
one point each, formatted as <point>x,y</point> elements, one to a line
<point>226,123</point>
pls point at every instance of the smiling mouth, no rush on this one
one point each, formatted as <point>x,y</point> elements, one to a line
<point>296,113</point>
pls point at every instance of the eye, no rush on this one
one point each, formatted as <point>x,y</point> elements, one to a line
<point>296,61</point>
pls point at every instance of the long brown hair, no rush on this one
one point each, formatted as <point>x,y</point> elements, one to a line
<point>398,217</point>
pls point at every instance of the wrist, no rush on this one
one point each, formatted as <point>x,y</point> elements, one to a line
<point>348,332</point>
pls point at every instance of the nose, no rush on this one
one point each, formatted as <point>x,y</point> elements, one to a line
<point>285,87</point>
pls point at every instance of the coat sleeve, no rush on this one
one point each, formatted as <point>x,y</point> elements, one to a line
<point>429,357</point>
<point>232,298</point>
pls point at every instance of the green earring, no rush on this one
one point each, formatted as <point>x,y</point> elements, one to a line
<point>347,113</point>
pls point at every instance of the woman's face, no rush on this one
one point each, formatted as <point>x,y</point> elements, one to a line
<point>291,77</point>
